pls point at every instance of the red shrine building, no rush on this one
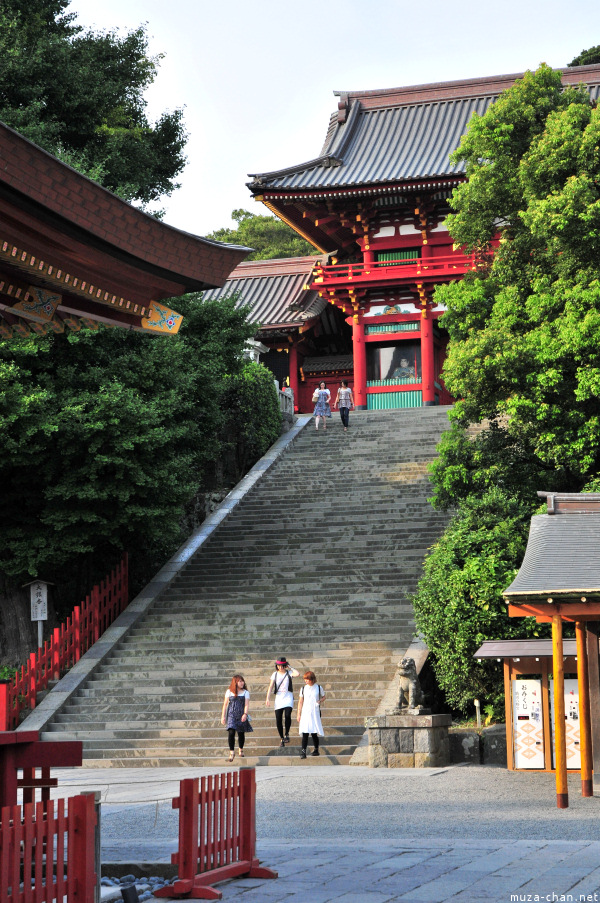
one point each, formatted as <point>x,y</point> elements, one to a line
<point>373,203</point>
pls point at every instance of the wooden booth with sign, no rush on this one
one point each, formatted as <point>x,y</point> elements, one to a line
<point>559,581</point>
<point>529,700</point>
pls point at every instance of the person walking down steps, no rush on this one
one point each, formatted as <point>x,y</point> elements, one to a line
<point>344,401</point>
<point>322,396</point>
<point>309,713</point>
<point>283,691</point>
<point>235,715</point>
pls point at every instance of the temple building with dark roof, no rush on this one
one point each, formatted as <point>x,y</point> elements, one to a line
<point>374,203</point>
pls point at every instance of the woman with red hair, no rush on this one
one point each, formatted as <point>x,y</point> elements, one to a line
<point>235,714</point>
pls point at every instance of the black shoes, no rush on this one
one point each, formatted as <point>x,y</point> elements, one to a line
<point>303,754</point>
<point>315,752</point>
<point>282,743</point>
<point>287,738</point>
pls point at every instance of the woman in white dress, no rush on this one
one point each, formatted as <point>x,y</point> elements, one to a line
<point>309,713</point>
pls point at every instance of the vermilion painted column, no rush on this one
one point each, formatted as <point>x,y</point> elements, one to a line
<point>427,357</point>
<point>294,374</point>
<point>560,742</point>
<point>360,363</point>
<point>585,730</point>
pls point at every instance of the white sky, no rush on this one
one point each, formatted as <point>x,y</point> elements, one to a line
<point>257,78</point>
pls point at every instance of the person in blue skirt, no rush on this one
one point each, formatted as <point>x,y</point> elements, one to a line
<point>322,396</point>
<point>235,714</point>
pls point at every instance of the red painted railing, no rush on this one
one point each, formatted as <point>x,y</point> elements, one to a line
<point>66,645</point>
<point>217,834</point>
<point>395,270</point>
<point>47,851</point>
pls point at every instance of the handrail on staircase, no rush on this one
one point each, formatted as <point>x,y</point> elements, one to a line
<point>66,645</point>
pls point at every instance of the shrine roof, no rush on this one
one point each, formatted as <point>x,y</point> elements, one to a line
<point>400,135</point>
<point>274,291</point>
<point>527,648</point>
<point>73,254</point>
<point>70,202</point>
<point>562,558</point>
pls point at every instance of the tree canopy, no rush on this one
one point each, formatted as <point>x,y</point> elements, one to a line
<point>524,352</point>
<point>267,235</point>
<point>80,96</point>
<point>587,57</point>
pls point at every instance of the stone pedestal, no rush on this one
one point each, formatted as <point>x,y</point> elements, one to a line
<point>408,741</point>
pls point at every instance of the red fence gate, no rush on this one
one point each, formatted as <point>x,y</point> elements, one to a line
<point>47,851</point>
<point>217,834</point>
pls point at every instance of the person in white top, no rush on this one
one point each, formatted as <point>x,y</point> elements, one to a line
<point>281,685</point>
<point>309,713</point>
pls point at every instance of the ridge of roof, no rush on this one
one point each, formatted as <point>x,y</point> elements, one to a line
<point>276,266</point>
<point>490,85</point>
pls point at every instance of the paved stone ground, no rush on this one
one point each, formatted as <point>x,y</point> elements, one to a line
<point>358,835</point>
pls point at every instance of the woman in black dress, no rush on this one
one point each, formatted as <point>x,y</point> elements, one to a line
<point>235,714</point>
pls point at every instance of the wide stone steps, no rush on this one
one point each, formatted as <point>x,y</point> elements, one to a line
<point>319,561</point>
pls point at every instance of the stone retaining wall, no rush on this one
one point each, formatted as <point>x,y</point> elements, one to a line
<point>408,741</point>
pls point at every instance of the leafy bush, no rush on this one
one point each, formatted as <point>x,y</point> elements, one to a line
<point>252,418</point>
<point>459,600</point>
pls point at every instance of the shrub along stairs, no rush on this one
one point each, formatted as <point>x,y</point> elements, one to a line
<point>318,562</point>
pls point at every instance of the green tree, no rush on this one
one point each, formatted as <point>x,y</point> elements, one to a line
<point>459,603</point>
<point>253,417</point>
<point>80,96</point>
<point>106,436</point>
<point>267,235</point>
<point>524,352</point>
<point>587,57</point>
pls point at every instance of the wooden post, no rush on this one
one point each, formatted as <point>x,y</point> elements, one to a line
<point>560,742</point>
<point>360,363</point>
<point>427,357</point>
<point>594,685</point>
<point>82,844</point>
<point>293,362</point>
<point>585,731</point>
<point>508,716</point>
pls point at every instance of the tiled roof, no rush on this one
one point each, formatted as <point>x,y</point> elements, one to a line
<point>562,557</point>
<point>400,134</point>
<point>274,291</point>
<point>527,648</point>
<point>328,364</point>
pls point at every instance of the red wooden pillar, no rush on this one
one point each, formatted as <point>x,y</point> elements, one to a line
<point>360,363</point>
<point>427,357</point>
<point>585,730</point>
<point>560,744</point>
<point>294,374</point>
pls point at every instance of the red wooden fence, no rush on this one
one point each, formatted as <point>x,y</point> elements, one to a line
<point>66,645</point>
<point>47,851</point>
<point>217,834</point>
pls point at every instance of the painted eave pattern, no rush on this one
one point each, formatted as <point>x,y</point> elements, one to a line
<point>562,556</point>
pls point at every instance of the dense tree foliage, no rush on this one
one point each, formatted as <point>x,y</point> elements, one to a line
<point>587,57</point>
<point>524,353</point>
<point>268,236</point>
<point>80,96</point>
<point>252,417</point>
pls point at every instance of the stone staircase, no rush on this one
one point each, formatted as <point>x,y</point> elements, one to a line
<point>318,562</point>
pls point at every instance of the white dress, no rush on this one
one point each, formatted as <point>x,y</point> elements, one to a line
<point>310,719</point>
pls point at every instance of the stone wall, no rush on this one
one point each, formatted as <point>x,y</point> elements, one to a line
<point>408,741</point>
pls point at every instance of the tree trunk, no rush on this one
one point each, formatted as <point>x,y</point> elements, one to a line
<point>18,634</point>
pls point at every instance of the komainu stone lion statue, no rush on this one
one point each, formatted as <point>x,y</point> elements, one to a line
<point>411,695</point>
